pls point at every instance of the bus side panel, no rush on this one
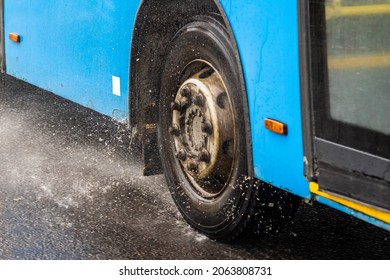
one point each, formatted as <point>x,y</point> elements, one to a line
<point>267,36</point>
<point>76,49</point>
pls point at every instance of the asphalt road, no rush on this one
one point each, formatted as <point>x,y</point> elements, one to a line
<point>70,188</point>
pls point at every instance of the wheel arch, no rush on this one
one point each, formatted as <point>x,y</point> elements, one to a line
<point>156,23</point>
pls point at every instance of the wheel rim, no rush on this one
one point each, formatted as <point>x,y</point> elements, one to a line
<point>203,130</point>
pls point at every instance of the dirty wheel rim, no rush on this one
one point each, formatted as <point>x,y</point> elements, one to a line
<point>203,129</point>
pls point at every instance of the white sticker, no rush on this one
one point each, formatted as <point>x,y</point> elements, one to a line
<point>116,85</point>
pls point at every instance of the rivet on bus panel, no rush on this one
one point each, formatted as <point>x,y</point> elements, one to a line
<point>14,37</point>
<point>276,126</point>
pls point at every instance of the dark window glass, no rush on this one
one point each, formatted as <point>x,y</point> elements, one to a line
<point>352,107</point>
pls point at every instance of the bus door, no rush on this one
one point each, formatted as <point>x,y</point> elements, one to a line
<point>348,73</point>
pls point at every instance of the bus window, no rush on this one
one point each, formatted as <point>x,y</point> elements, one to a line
<point>358,48</point>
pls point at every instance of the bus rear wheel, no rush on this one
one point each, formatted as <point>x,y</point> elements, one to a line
<point>202,135</point>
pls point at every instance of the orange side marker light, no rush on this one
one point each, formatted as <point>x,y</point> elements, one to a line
<point>14,37</point>
<point>276,126</point>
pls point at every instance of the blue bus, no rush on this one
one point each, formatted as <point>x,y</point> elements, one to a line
<point>247,107</point>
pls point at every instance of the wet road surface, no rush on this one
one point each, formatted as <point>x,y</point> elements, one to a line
<point>70,188</point>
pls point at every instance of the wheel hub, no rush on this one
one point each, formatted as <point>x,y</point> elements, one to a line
<point>203,131</point>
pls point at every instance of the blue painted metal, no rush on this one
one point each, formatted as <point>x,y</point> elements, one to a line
<point>352,212</point>
<point>73,48</point>
<point>267,36</point>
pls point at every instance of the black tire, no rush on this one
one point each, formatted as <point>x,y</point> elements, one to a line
<point>202,134</point>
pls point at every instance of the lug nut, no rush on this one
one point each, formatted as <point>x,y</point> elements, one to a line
<point>174,130</point>
<point>185,103</point>
<point>181,155</point>
<point>199,100</point>
<point>186,92</point>
<point>176,106</point>
<point>193,166</point>
<point>204,156</point>
<point>207,127</point>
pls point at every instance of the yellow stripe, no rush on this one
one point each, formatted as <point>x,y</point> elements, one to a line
<point>359,62</point>
<point>338,11</point>
<point>369,211</point>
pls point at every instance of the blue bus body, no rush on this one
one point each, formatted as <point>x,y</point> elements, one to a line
<point>81,50</point>
<point>73,49</point>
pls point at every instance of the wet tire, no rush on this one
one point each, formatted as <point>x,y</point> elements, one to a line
<point>202,135</point>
